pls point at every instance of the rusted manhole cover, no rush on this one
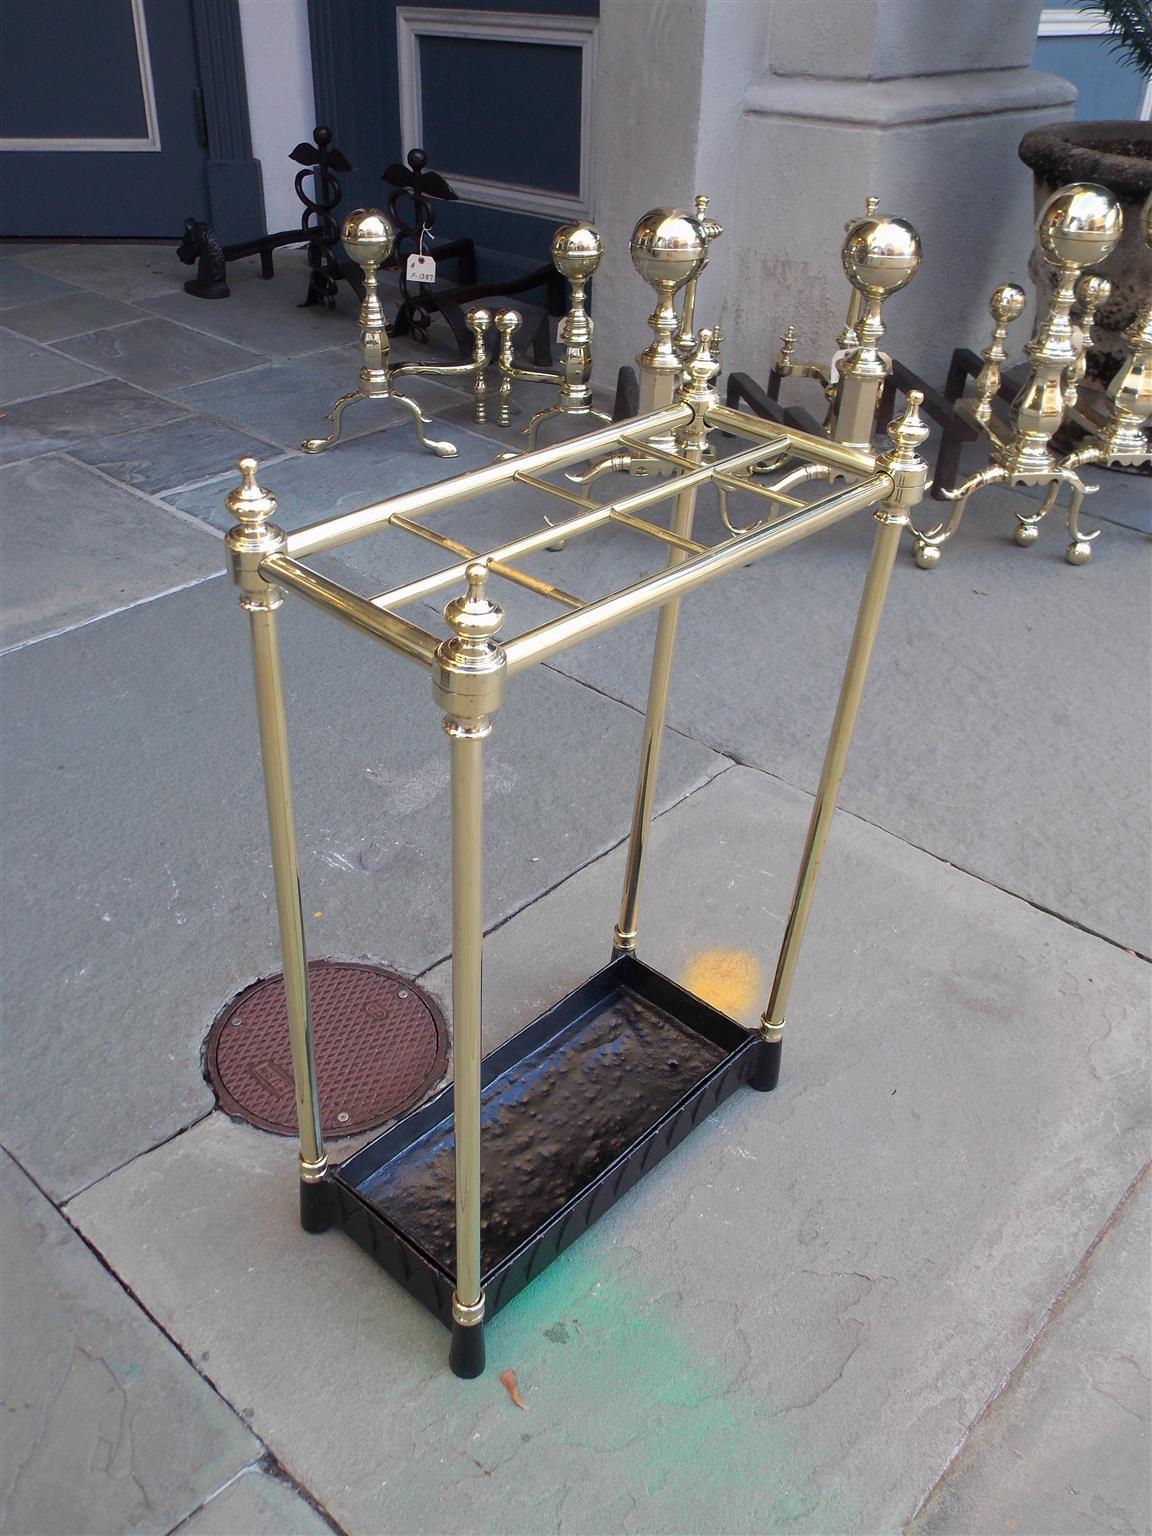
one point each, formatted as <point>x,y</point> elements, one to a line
<point>380,1045</point>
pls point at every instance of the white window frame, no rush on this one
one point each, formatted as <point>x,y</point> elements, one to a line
<point>148,145</point>
<point>414,22</point>
<point>1070,21</point>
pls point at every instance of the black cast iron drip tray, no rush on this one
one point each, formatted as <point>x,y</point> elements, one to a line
<point>575,1109</point>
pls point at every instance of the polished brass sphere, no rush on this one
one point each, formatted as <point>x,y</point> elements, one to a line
<point>1092,291</point>
<point>1079,552</point>
<point>1025,534</point>
<point>576,250</point>
<point>880,256</point>
<point>1007,303</point>
<point>927,556</point>
<point>668,247</point>
<point>368,237</point>
<point>1079,225</point>
<point>1146,221</point>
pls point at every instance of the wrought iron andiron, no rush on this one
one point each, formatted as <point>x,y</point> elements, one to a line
<point>413,1198</point>
<point>322,164</point>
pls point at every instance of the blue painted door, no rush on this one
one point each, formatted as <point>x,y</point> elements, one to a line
<point>101,118</point>
<point>497,111</point>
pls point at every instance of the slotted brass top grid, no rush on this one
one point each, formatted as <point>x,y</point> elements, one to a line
<point>690,561</point>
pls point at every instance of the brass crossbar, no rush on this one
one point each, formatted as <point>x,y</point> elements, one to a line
<point>539,484</point>
<point>375,616</point>
<point>549,639</point>
<point>600,514</point>
<point>395,630</point>
<point>642,525</point>
<point>497,567</point>
<point>354,525</point>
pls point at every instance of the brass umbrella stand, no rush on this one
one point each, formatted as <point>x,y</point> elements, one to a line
<point>461,1201</point>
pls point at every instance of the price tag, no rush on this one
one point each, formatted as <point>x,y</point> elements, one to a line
<point>420,269</point>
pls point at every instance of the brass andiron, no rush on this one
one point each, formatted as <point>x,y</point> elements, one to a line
<point>880,255</point>
<point>1077,228</point>
<point>368,238</point>
<point>1116,419</point>
<point>576,253</point>
<point>465,1235</point>
<point>669,249</point>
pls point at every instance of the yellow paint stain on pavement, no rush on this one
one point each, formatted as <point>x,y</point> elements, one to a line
<point>729,979</point>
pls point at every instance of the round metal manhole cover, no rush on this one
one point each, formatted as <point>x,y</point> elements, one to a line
<point>380,1042</point>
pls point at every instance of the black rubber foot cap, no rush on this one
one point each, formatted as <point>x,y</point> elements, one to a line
<point>315,1208</point>
<point>766,1072</point>
<point>466,1353</point>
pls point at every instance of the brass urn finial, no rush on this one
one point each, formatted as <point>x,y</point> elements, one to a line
<point>250,504</point>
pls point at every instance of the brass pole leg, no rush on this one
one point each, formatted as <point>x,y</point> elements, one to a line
<point>884,548</point>
<point>698,389</point>
<point>909,475</point>
<point>467,1352</point>
<point>624,937</point>
<point>314,1215</point>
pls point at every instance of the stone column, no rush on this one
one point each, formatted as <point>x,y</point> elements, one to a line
<point>788,113</point>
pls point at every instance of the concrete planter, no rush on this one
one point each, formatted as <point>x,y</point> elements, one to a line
<point>1117,155</point>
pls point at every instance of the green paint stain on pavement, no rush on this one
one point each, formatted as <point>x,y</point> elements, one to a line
<point>684,1444</point>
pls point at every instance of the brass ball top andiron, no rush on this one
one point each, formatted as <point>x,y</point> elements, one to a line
<point>369,238</point>
<point>1078,227</point>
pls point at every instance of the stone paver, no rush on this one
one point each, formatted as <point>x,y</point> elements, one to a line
<point>27,369</point>
<point>77,415</point>
<point>21,285</point>
<point>256,1505</point>
<point>1065,1449</point>
<point>106,1426</point>
<point>126,271</point>
<point>178,453</point>
<point>72,315</point>
<point>266,316</point>
<point>156,354</point>
<point>76,545</point>
<point>146,770</point>
<point>791,1323</point>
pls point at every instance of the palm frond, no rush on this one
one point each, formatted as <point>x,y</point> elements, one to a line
<point>1130,28</point>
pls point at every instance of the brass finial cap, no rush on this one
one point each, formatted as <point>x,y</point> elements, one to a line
<point>576,250</point>
<point>250,503</point>
<point>708,226</point>
<point>668,247</point>
<point>1007,303</point>
<point>475,616</point>
<point>508,321</point>
<point>703,367</point>
<point>880,256</point>
<point>909,429</point>
<point>368,237</point>
<point>1079,225</point>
